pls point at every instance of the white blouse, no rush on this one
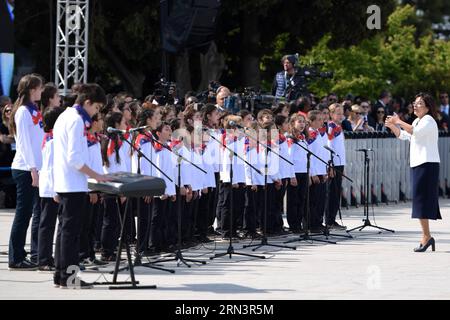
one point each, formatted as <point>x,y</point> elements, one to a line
<point>424,141</point>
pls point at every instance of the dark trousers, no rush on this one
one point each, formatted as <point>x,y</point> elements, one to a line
<point>97,222</point>
<point>28,205</point>
<point>144,222</point>
<point>47,225</point>
<point>267,217</point>
<point>187,219</point>
<point>67,246</point>
<point>86,245</point>
<point>296,199</point>
<point>171,223</point>
<point>317,194</point>
<point>334,195</point>
<point>157,229</point>
<point>238,206</point>
<point>204,213</point>
<point>110,226</point>
<point>250,210</point>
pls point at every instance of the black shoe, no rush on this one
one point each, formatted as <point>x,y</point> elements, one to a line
<point>46,269</point>
<point>423,248</point>
<point>77,284</point>
<point>336,226</point>
<point>253,235</point>
<point>108,258</point>
<point>204,239</point>
<point>25,265</point>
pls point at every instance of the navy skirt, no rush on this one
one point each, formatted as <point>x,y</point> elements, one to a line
<point>425,191</point>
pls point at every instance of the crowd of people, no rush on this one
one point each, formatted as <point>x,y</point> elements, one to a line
<point>54,144</point>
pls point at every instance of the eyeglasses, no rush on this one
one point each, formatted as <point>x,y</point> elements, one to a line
<point>7,110</point>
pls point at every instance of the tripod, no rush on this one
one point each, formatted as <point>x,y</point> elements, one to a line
<point>264,241</point>
<point>138,255</point>
<point>178,254</point>
<point>230,250</point>
<point>326,232</point>
<point>366,220</point>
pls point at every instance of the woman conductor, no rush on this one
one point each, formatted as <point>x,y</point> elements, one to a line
<point>424,162</point>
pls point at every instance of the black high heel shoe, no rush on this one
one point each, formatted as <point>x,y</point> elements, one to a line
<point>423,248</point>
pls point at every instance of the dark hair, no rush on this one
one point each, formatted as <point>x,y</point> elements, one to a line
<point>48,93</point>
<point>142,117</point>
<point>4,101</point>
<point>384,94</point>
<point>69,100</point>
<point>279,108</point>
<point>279,120</point>
<point>429,103</point>
<point>49,117</point>
<point>97,117</point>
<point>243,113</point>
<point>207,110</point>
<point>110,121</point>
<point>92,92</point>
<point>26,84</point>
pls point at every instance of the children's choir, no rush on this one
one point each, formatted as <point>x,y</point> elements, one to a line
<point>58,151</point>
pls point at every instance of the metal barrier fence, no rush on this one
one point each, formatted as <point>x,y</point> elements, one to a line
<point>389,168</point>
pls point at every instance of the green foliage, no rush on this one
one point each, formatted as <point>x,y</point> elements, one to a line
<point>391,60</point>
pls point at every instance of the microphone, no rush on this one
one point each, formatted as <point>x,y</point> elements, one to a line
<point>329,149</point>
<point>364,150</point>
<point>114,130</point>
<point>234,124</point>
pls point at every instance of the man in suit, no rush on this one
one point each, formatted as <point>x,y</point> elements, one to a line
<point>443,97</point>
<point>383,101</point>
<point>6,45</point>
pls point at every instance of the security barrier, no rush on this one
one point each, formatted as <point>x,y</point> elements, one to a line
<point>389,168</point>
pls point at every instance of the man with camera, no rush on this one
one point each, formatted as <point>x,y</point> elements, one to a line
<point>288,83</point>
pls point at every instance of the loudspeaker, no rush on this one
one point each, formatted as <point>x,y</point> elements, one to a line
<point>188,24</point>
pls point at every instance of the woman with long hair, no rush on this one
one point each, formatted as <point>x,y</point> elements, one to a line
<point>27,127</point>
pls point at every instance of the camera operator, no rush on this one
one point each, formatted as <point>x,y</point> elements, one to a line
<point>288,83</point>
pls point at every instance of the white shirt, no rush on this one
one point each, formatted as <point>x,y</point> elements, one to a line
<point>163,159</point>
<point>315,145</point>
<point>114,165</point>
<point>298,156</point>
<point>286,169</point>
<point>336,141</point>
<point>46,188</point>
<point>424,141</point>
<point>28,141</point>
<point>238,165</point>
<point>70,152</point>
<point>445,109</point>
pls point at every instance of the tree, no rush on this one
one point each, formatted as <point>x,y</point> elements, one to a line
<point>392,60</point>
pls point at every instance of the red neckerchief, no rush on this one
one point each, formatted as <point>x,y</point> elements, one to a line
<point>92,139</point>
<point>47,137</point>
<point>36,114</point>
<point>335,131</point>
<point>281,138</point>
<point>112,146</point>
<point>323,130</point>
<point>127,133</point>
<point>141,139</point>
<point>175,144</point>
<point>313,133</point>
<point>299,137</point>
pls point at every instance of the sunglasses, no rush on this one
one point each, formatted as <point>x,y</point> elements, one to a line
<point>359,113</point>
<point>7,110</point>
<point>380,112</point>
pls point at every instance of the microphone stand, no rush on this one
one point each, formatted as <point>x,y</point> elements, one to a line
<point>366,200</point>
<point>138,255</point>
<point>308,236</point>
<point>178,254</point>
<point>264,241</point>
<point>326,232</point>
<point>230,251</point>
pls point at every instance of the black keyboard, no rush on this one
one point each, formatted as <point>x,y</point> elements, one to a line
<point>129,185</point>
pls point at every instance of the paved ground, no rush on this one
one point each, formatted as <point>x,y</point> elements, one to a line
<point>370,266</point>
